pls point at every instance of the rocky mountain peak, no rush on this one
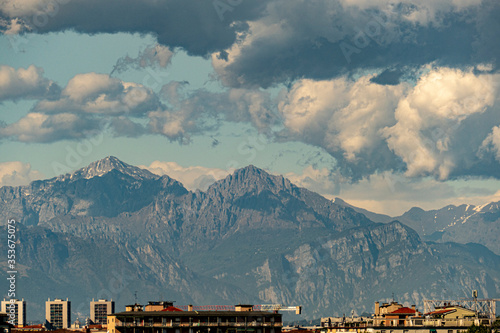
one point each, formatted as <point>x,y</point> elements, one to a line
<point>102,167</point>
<point>250,179</point>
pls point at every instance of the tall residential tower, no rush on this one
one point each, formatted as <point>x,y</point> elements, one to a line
<point>16,310</point>
<point>58,313</point>
<point>99,311</point>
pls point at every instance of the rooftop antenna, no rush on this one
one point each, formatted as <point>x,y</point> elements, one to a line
<point>393,297</point>
<point>135,296</point>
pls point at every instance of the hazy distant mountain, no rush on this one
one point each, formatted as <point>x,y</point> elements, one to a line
<point>463,224</point>
<point>111,229</point>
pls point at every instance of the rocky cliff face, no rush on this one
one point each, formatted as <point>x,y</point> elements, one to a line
<point>112,229</point>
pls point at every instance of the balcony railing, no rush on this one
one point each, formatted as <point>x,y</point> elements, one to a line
<point>201,324</point>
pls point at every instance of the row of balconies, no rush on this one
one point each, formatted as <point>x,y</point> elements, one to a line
<point>160,325</point>
<point>433,322</point>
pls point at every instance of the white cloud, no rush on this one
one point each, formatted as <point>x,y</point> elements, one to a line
<point>11,27</point>
<point>17,174</point>
<point>201,110</point>
<point>492,142</point>
<point>420,129</point>
<point>95,93</point>
<point>23,83</point>
<point>152,56</point>
<point>173,125</point>
<point>341,115</point>
<point>193,177</point>
<point>428,119</point>
<point>326,39</point>
<point>321,181</point>
<point>39,127</point>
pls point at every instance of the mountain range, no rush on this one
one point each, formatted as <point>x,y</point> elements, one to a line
<point>112,230</point>
<point>462,224</point>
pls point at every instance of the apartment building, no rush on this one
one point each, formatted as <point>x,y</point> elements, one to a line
<point>58,313</point>
<point>99,311</point>
<point>173,320</point>
<point>16,311</point>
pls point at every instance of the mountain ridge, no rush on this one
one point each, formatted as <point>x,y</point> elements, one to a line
<point>251,237</point>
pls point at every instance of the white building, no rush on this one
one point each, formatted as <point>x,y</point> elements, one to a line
<point>58,313</point>
<point>100,310</point>
<point>16,311</point>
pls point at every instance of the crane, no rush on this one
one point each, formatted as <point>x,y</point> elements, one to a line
<point>278,307</point>
<point>258,307</point>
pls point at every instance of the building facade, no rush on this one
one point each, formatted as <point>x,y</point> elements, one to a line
<point>99,311</point>
<point>242,320</point>
<point>396,318</point>
<point>16,311</point>
<point>58,313</point>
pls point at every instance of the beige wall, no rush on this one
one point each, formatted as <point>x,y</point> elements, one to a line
<point>460,314</point>
<point>111,324</point>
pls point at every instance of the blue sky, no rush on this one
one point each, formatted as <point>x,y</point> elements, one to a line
<point>387,105</point>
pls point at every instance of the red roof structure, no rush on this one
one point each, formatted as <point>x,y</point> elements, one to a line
<point>442,311</point>
<point>403,310</point>
<point>171,309</point>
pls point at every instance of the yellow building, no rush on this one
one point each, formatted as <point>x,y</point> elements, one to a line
<point>453,312</point>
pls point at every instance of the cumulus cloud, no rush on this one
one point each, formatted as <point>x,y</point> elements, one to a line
<point>17,174</point>
<point>11,27</point>
<point>87,104</point>
<point>131,109</point>
<point>152,56</point>
<point>369,127</point>
<point>345,118</point>
<point>327,39</point>
<point>428,119</point>
<point>25,83</point>
<point>39,127</point>
<point>123,126</point>
<point>200,110</point>
<point>193,177</point>
<point>492,143</point>
<point>94,93</point>
<point>441,126</point>
<point>262,43</point>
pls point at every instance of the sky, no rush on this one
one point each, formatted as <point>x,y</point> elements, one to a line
<point>385,104</point>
